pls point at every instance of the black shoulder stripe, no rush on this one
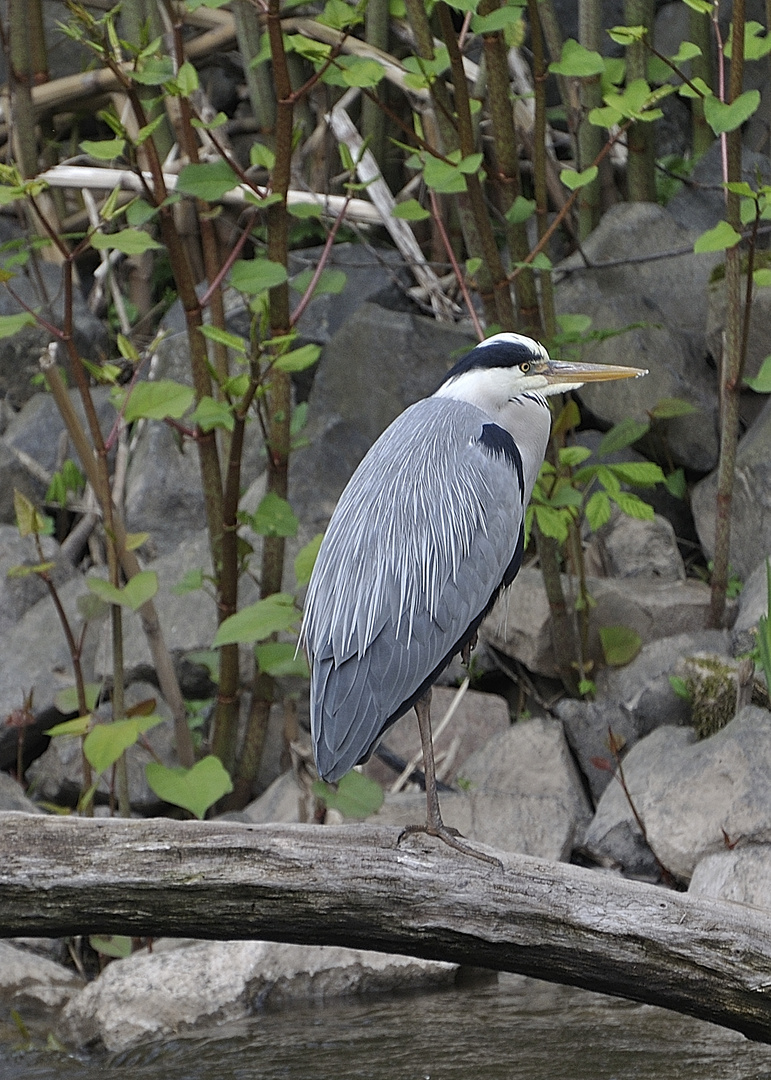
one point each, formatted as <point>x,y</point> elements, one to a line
<point>497,442</point>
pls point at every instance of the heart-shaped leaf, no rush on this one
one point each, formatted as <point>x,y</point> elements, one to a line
<point>193,789</point>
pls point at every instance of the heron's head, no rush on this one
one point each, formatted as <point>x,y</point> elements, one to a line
<point>510,365</point>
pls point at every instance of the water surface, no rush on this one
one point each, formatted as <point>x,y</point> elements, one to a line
<point>519,1029</point>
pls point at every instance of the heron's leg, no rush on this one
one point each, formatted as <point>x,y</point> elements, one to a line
<point>434,825</point>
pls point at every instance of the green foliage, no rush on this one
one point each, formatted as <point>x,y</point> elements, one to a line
<point>208,182</point>
<point>719,238</point>
<point>68,480</point>
<point>29,521</point>
<point>141,588</point>
<point>258,621</point>
<point>275,517</point>
<point>161,400</point>
<point>762,651</point>
<point>355,795</point>
<point>761,383</point>
<point>620,645</point>
<point>105,743</point>
<point>194,789</point>
<point>116,946</point>
<point>306,559</point>
<point>577,61</point>
<point>575,180</point>
<point>723,118</point>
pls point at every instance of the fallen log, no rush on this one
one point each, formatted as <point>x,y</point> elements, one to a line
<point>356,886</point>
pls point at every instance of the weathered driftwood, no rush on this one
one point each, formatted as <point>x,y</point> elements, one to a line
<point>355,886</point>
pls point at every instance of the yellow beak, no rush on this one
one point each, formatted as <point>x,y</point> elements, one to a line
<point>561,371</point>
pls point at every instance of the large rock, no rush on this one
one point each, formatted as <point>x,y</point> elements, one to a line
<point>19,593</point>
<point>35,654</point>
<point>474,722</point>
<point>175,989</point>
<point>520,623</point>
<point>751,503</point>
<point>643,688</point>
<point>668,297</point>
<point>741,875</point>
<point>630,548</point>
<point>522,792</point>
<point>33,984</point>
<point>693,797</point>
<point>20,354</point>
<point>35,444</point>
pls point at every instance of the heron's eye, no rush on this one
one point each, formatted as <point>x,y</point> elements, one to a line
<point>524,368</point>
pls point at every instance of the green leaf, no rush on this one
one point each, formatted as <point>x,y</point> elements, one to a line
<point>29,521</point>
<point>638,473</point>
<point>755,46</point>
<point>187,79</point>
<point>158,400</point>
<point>145,132</point>
<point>552,522</point>
<point>104,149</point>
<point>209,181</point>
<point>521,210</point>
<point>275,517</point>
<point>305,210</point>
<point>280,659</point>
<point>761,278</point>
<point>627,35</point>
<point>115,945</point>
<point>356,795</point>
<point>142,587</point>
<point>719,238</point>
<point>224,337</point>
<point>670,408</point>
<point>620,645</point>
<point>761,383</point>
<point>577,61</point>
<point>155,71</point>
<point>193,789</point>
<point>256,275</point>
<point>191,582</point>
<point>258,621</point>
<point>139,212</point>
<point>573,455</point>
<point>305,559</point>
<point>633,506</point>
<point>722,118</point>
<point>209,414</point>
<point>299,359</point>
<point>574,180</point>
<point>262,156</point>
<point>598,510</point>
<point>330,281</point>
<point>361,71</point>
<point>105,743</point>
<point>66,701</point>
<point>675,484</point>
<point>78,726</point>
<point>127,241</point>
<point>508,15</point>
<point>623,434</point>
<point>11,324</point>
<point>410,210</point>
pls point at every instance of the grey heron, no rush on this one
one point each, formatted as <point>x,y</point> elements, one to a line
<point>428,531</point>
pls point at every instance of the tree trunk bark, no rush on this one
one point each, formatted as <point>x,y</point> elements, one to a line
<point>357,886</point>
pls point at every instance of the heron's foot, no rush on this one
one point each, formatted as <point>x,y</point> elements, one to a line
<point>451,837</point>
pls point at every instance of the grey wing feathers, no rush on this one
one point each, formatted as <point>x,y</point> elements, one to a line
<point>417,545</point>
